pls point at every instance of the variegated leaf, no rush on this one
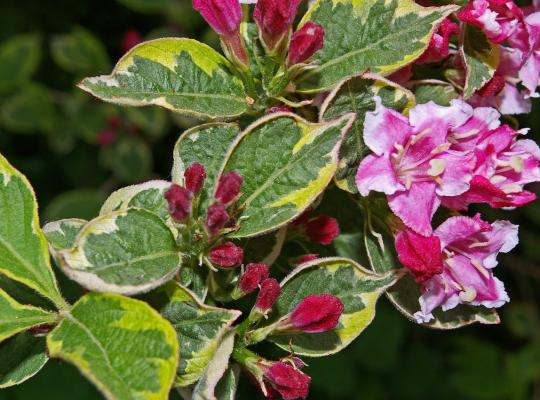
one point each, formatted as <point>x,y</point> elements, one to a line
<point>200,328</point>
<point>128,252</point>
<point>179,74</point>
<point>21,357</point>
<point>264,249</point>
<point>379,36</point>
<point>358,289</point>
<point>61,234</point>
<point>15,317</point>
<point>24,256</point>
<point>481,59</point>
<point>358,95</point>
<point>286,162</point>
<point>122,345</point>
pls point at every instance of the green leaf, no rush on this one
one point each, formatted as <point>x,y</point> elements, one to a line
<point>439,92</point>
<point>286,163</point>
<point>21,357</point>
<point>128,251</point>
<point>357,95</point>
<point>200,329</point>
<point>19,59</point>
<point>122,345</point>
<point>79,51</point>
<point>148,196</point>
<point>227,386</point>
<point>29,110</point>
<point>152,122</point>
<point>24,255</point>
<point>61,234</point>
<point>265,248</point>
<point>481,59</point>
<point>358,289</point>
<point>206,387</point>
<point>24,295</point>
<point>379,246</point>
<point>181,75</point>
<point>15,317</point>
<point>78,203</point>
<point>129,158</point>
<point>207,144</point>
<point>359,35</point>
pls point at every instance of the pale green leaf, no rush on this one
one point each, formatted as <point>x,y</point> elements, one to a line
<point>122,345</point>
<point>128,251</point>
<point>61,234</point>
<point>286,163</point>
<point>200,329</point>
<point>357,95</point>
<point>481,59</point>
<point>21,357</point>
<point>357,288</point>
<point>179,74</point>
<point>24,255</point>
<point>15,317</point>
<point>379,36</point>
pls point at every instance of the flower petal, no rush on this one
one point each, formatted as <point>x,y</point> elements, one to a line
<point>377,173</point>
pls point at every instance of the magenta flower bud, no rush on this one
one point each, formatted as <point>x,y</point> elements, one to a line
<point>216,218</point>
<point>229,187</point>
<point>306,258</point>
<point>179,200</point>
<point>280,108</point>
<point>194,177</point>
<point>274,19</point>
<point>289,382</point>
<point>224,16</point>
<point>252,278</point>
<point>322,229</point>
<point>227,255</point>
<point>131,39</point>
<point>305,42</point>
<point>270,291</point>
<point>317,313</point>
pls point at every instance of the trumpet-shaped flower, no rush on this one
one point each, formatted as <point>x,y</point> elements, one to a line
<point>412,162</point>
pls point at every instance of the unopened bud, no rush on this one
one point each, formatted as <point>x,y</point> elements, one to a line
<point>317,313</point>
<point>216,218</point>
<point>179,200</point>
<point>224,16</point>
<point>322,229</point>
<point>131,39</point>
<point>274,19</point>
<point>289,382</point>
<point>227,255</point>
<point>194,177</point>
<point>252,278</point>
<point>306,258</point>
<point>305,43</point>
<point>106,137</point>
<point>229,187</point>
<point>268,294</point>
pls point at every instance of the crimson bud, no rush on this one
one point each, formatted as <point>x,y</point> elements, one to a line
<point>216,218</point>
<point>305,42</point>
<point>179,200</point>
<point>274,19</point>
<point>254,275</point>
<point>268,294</point>
<point>288,381</point>
<point>229,187</point>
<point>322,229</point>
<point>421,255</point>
<point>317,313</point>
<point>227,255</point>
<point>194,177</point>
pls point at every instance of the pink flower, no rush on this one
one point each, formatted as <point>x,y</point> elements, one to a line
<point>274,19</point>
<point>322,229</point>
<point>227,255</point>
<point>503,166</point>
<point>216,218</point>
<point>469,250</point>
<point>317,313</point>
<point>229,187</point>
<point>419,254</point>
<point>289,382</point>
<point>268,294</point>
<point>252,278</point>
<point>194,177</point>
<point>439,45</point>
<point>224,16</point>
<point>412,161</point>
<point>179,200</point>
<point>305,42</point>
<point>498,19</point>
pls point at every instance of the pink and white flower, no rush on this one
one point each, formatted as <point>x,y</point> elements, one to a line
<point>498,19</point>
<point>469,249</point>
<point>412,161</point>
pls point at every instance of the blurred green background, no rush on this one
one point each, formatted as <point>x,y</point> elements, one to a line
<point>75,150</point>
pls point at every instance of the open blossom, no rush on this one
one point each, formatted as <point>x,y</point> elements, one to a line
<point>469,249</point>
<point>412,161</point>
<point>503,166</point>
<point>282,380</point>
<point>497,18</point>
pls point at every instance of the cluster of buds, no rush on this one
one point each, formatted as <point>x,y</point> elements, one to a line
<point>321,229</point>
<point>274,19</point>
<point>180,198</point>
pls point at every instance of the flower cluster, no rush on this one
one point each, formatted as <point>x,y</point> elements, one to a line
<point>451,156</point>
